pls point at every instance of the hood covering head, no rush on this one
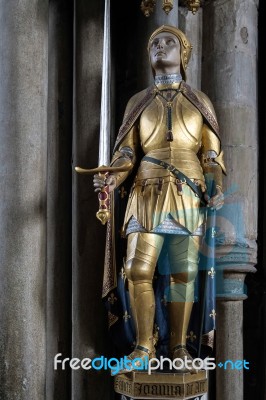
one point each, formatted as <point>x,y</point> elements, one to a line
<point>185,46</point>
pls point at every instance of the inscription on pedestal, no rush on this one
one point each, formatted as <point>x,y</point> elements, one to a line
<point>158,386</point>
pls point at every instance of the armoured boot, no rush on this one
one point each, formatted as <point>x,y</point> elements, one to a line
<point>179,317</point>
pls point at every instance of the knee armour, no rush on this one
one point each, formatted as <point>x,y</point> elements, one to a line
<point>184,257</point>
<point>142,254</point>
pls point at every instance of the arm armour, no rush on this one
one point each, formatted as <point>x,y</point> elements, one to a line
<point>211,156</point>
<point>125,154</point>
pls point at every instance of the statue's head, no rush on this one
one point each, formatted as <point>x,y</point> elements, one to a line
<point>184,48</point>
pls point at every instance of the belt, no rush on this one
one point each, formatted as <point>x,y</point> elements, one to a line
<point>178,174</point>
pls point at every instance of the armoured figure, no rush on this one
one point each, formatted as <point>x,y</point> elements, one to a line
<point>172,132</point>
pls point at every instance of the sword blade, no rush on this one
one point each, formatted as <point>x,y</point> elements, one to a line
<point>105,121</point>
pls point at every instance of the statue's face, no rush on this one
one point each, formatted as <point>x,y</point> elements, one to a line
<point>165,53</point>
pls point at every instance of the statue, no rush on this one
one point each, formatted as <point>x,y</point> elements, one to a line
<point>170,131</point>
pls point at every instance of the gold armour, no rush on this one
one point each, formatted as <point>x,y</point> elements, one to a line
<point>154,192</point>
<point>194,149</point>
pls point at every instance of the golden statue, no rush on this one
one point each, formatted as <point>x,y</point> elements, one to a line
<point>171,131</point>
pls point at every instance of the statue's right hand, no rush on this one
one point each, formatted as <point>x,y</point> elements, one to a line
<point>100,181</point>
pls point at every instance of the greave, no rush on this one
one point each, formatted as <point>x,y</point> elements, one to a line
<point>143,308</point>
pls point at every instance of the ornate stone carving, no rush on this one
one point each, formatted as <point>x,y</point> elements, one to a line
<point>147,6</point>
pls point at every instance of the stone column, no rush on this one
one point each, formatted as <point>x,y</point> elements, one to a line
<point>59,196</point>
<point>229,78</point>
<point>261,357</point>
<point>23,163</point>
<point>89,320</point>
<point>262,221</point>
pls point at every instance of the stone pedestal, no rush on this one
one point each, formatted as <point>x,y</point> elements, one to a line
<point>141,385</point>
<point>123,397</point>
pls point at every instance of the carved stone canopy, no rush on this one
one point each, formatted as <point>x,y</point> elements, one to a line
<point>147,6</point>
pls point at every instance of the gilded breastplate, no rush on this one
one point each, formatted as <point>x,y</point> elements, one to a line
<point>186,125</point>
<point>182,151</point>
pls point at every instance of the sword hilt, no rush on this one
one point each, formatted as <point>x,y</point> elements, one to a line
<point>104,213</point>
<point>103,169</point>
<point>104,204</point>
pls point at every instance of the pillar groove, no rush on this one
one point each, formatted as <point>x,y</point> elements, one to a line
<point>59,196</point>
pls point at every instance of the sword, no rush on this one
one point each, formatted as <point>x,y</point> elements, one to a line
<point>105,122</point>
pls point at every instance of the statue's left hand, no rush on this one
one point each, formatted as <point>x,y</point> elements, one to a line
<point>217,201</point>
